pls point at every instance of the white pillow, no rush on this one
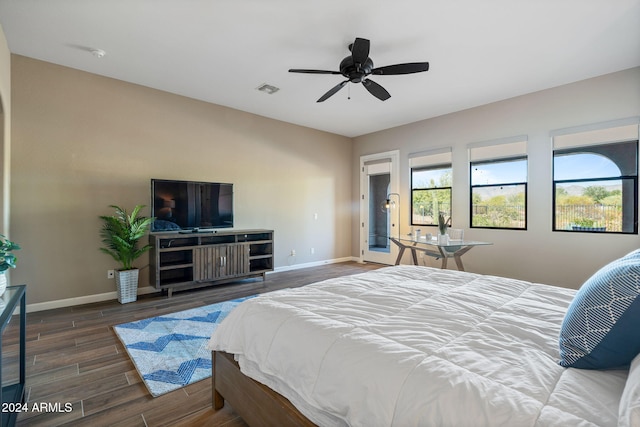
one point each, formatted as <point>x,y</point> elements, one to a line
<point>629,413</point>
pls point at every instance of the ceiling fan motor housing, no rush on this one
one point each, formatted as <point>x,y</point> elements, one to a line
<point>355,72</point>
<point>357,67</point>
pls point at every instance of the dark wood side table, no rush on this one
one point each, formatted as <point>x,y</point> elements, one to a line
<point>12,395</point>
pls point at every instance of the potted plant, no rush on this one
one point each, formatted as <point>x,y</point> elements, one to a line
<point>7,260</point>
<point>443,238</point>
<point>120,235</point>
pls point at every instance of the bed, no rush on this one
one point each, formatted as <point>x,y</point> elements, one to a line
<point>416,346</point>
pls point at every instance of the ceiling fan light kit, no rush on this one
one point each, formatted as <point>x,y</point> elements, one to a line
<point>357,68</point>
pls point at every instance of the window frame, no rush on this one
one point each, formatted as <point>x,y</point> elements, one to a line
<point>589,148</point>
<point>522,183</point>
<point>450,188</point>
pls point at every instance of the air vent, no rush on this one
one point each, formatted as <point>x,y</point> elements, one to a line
<point>268,89</point>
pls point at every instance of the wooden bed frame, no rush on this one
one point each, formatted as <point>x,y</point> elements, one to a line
<point>257,404</point>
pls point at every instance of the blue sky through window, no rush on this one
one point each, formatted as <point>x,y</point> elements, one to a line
<point>494,173</point>
<point>570,166</point>
<point>583,166</point>
<point>430,178</point>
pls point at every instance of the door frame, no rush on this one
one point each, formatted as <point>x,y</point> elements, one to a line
<point>394,187</point>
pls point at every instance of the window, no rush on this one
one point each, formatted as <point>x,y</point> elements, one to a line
<point>498,171</point>
<point>499,193</point>
<point>595,188</point>
<point>430,186</point>
<point>430,194</point>
<point>595,178</point>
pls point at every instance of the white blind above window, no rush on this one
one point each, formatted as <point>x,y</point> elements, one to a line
<point>378,166</point>
<point>441,156</point>
<point>379,169</point>
<point>498,149</point>
<point>604,133</point>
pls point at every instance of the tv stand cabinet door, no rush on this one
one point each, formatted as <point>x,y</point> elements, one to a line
<point>220,262</point>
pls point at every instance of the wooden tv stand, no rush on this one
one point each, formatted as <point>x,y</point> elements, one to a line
<point>190,260</point>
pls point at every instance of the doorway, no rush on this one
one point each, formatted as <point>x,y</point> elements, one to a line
<point>4,175</point>
<point>379,208</point>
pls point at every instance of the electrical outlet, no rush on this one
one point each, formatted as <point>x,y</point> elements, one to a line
<point>293,252</point>
<point>313,251</point>
<point>110,274</point>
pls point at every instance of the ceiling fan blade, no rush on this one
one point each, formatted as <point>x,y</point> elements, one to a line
<point>297,70</point>
<point>409,68</point>
<point>376,90</point>
<point>332,91</point>
<point>360,51</point>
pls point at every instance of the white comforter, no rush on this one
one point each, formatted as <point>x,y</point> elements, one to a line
<point>417,346</point>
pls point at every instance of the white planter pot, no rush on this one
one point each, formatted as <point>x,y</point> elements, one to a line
<point>443,239</point>
<point>3,283</point>
<point>127,285</point>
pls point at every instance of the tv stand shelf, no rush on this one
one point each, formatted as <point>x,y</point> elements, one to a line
<point>189,260</point>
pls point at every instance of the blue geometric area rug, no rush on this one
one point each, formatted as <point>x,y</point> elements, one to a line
<point>171,351</point>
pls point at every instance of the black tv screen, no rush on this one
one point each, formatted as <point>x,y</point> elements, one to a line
<point>190,205</point>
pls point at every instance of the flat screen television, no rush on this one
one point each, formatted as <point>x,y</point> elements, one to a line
<point>190,206</point>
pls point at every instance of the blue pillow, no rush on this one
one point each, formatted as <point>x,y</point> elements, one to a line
<point>601,329</point>
<point>635,254</point>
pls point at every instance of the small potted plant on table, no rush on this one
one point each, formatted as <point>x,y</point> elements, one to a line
<point>7,260</point>
<point>120,235</point>
<point>443,237</point>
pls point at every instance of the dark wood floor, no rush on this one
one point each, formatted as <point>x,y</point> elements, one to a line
<point>74,358</point>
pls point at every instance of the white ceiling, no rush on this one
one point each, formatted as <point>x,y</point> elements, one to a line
<point>219,51</point>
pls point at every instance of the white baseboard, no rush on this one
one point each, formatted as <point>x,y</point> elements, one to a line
<point>88,299</point>
<point>313,264</point>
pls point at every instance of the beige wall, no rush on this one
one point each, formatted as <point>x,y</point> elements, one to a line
<point>83,142</point>
<point>5,132</point>
<point>536,254</point>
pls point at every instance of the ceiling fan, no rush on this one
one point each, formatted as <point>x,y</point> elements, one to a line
<point>358,66</point>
